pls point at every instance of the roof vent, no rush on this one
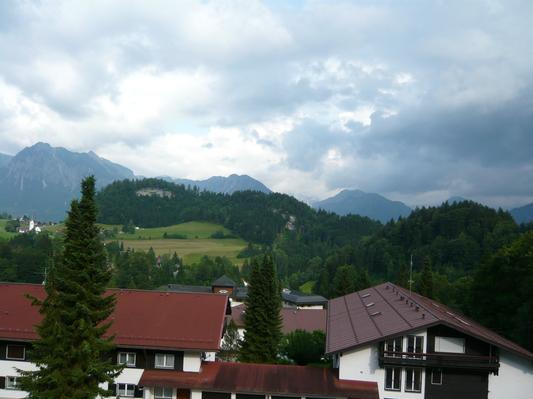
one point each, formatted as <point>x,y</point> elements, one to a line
<point>375,314</point>
<point>407,301</point>
<point>386,287</point>
<point>411,304</point>
<point>423,315</point>
<point>417,308</point>
<point>401,298</point>
<point>365,296</point>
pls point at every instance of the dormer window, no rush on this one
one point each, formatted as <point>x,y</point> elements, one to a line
<point>164,361</point>
<point>127,358</point>
<point>15,352</point>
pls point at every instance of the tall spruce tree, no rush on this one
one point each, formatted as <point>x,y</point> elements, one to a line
<point>426,279</point>
<point>72,353</point>
<point>262,321</point>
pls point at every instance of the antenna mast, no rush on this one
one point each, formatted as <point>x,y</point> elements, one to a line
<point>411,276</point>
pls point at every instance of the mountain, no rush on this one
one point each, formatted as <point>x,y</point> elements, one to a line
<point>357,202</point>
<point>4,159</point>
<point>41,180</point>
<point>523,214</point>
<point>225,185</point>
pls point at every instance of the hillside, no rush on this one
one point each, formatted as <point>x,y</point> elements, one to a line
<point>40,181</point>
<point>357,202</point>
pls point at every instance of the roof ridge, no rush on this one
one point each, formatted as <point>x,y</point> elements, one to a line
<point>418,303</point>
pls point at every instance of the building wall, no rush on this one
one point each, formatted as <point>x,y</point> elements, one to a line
<point>514,379</point>
<point>363,364</point>
<point>192,361</point>
<point>9,368</point>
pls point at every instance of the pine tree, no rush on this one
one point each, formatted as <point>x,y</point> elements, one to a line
<point>72,353</point>
<point>231,343</point>
<point>262,319</point>
<point>403,277</point>
<point>426,279</point>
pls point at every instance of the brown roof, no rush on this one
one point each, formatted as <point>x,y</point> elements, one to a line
<point>264,379</point>
<point>141,318</point>
<point>386,310</point>
<point>293,319</point>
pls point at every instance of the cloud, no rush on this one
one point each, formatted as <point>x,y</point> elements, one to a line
<point>411,99</point>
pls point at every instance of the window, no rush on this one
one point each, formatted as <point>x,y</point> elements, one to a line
<point>11,383</point>
<point>393,378</point>
<point>394,345</point>
<point>162,393</point>
<point>413,380</point>
<point>415,344</point>
<point>127,390</point>
<point>127,358</point>
<point>449,344</point>
<point>436,376</point>
<point>15,352</point>
<point>164,361</point>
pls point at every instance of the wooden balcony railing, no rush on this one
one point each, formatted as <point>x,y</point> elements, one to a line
<point>440,360</point>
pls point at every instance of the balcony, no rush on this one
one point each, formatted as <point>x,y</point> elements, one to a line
<point>440,360</point>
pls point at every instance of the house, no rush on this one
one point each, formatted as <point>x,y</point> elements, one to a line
<point>293,319</point>
<point>225,285</point>
<point>414,347</point>
<point>162,338</point>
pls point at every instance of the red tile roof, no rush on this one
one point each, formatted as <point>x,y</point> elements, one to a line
<point>188,321</point>
<point>264,379</point>
<point>386,310</point>
<point>293,319</point>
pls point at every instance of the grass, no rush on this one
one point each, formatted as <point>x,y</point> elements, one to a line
<point>307,287</point>
<point>197,244</point>
<point>3,233</point>
<point>193,230</point>
<point>191,250</point>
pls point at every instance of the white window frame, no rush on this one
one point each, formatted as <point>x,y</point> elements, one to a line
<point>433,373</point>
<point>128,361</point>
<point>125,390</point>
<point>12,383</point>
<point>166,363</point>
<point>16,358</point>
<point>163,393</point>
<point>393,370</point>
<point>416,338</point>
<point>393,349</point>
<point>411,388</point>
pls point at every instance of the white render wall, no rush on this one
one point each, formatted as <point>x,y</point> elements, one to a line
<point>9,368</point>
<point>514,379</point>
<point>192,361</point>
<point>363,364</point>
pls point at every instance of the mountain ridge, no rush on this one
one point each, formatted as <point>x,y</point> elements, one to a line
<point>358,202</point>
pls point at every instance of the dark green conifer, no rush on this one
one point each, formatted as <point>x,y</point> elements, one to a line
<point>262,319</point>
<point>72,353</point>
<point>426,279</point>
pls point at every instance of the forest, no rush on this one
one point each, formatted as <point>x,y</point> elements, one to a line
<point>466,255</point>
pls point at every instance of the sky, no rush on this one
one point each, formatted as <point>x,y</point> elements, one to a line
<point>415,100</point>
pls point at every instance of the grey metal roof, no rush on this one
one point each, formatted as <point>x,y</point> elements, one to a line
<point>299,298</point>
<point>187,288</point>
<point>386,310</point>
<point>223,281</point>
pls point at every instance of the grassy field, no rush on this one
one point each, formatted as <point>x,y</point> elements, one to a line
<point>3,232</point>
<point>191,249</point>
<point>193,230</point>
